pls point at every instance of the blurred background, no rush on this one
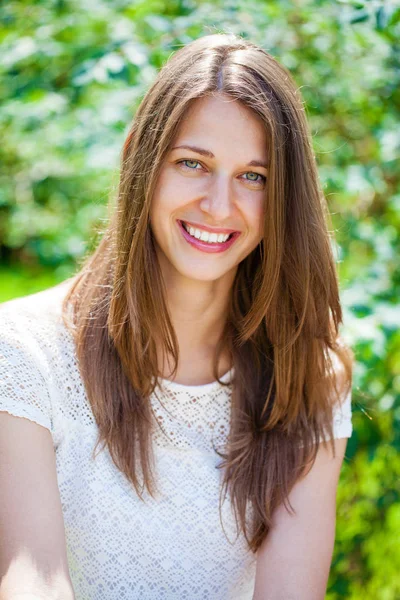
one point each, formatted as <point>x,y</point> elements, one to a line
<point>72,75</point>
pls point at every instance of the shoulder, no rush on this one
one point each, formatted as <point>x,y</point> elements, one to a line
<point>342,406</point>
<point>35,350</point>
<point>34,319</point>
<point>44,305</point>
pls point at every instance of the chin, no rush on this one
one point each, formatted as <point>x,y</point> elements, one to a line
<point>204,274</point>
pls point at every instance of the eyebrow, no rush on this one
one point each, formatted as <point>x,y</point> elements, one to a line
<point>209,154</point>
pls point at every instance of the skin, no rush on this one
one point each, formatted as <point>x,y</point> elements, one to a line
<point>219,192</point>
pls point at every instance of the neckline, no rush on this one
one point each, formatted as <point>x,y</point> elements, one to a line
<point>226,377</point>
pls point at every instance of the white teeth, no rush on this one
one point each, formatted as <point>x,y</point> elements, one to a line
<point>205,236</point>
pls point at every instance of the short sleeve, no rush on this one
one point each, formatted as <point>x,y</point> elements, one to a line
<point>342,424</point>
<point>24,376</point>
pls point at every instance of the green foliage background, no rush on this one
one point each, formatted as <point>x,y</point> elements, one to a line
<point>72,75</point>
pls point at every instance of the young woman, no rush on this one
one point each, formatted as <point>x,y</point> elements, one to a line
<point>185,397</point>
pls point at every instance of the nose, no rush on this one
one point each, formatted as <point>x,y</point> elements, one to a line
<point>218,202</point>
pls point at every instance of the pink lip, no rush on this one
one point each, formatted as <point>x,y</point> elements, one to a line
<point>211,229</point>
<point>204,246</point>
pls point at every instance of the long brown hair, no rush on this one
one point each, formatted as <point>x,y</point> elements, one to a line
<point>282,329</point>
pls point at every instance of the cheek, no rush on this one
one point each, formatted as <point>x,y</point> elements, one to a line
<point>261,225</point>
<point>169,196</point>
<point>256,218</point>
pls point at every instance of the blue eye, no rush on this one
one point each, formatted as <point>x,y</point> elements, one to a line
<point>188,160</point>
<point>261,178</point>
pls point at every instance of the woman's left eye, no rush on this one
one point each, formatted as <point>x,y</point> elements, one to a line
<point>261,180</point>
<point>258,178</point>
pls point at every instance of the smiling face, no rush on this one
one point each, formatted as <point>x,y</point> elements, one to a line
<point>218,184</point>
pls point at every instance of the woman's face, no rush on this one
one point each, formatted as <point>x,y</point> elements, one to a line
<point>217,184</point>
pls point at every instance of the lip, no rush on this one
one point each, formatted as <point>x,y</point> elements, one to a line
<point>211,229</point>
<point>204,246</point>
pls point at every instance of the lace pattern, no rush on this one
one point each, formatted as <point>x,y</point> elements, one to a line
<point>172,546</point>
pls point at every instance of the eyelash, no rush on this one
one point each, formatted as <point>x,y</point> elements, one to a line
<point>263,179</point>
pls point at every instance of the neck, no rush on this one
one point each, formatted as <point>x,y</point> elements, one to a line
<point>198,312</point>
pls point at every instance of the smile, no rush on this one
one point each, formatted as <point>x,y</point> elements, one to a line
<point>206,236</point>
<point>205,241</point>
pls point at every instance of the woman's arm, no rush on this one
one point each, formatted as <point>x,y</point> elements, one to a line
<point>294,560</point>
<point>33,561</point>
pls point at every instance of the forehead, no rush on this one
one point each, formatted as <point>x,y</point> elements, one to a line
<point>221,122</point>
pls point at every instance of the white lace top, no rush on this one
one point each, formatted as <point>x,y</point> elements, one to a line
<point>171,547</point>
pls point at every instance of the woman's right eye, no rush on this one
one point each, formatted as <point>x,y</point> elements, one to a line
<point>188,160</point>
